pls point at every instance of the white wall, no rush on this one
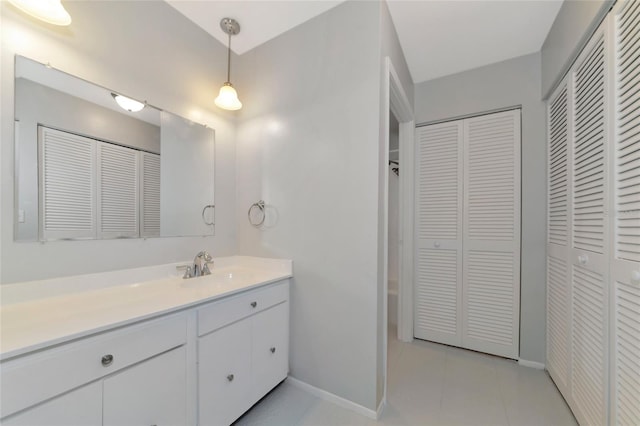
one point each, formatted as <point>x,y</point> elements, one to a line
<point>148,51</point>
<point>308,145</point>
<point>505,84</point>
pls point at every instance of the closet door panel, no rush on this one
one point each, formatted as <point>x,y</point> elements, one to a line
<point>558,236</point>
<point>625,187</point>
<point>589,260</point>
<point>491,259</point>
<point>438,258</point>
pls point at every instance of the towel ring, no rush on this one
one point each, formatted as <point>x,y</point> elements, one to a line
<point>260,206</point>
<point>208,206</point>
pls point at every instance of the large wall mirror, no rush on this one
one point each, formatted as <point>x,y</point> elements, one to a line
<point>87,166</point>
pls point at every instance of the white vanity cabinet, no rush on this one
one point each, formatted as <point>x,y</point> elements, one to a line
<point>243,349</point>
<point>133,375</point>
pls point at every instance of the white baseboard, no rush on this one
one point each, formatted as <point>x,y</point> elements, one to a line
<point>328,396</point>
<point>531,364</point>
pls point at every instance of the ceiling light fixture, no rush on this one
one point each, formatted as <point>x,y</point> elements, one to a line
<point>50,11</point>
<point>128,103</point>
<point>228,97</point>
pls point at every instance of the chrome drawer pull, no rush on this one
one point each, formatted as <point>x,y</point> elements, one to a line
<point>230,377</point>
<point>107,360</point>
<point>254,304</point>
<point>273,350</point>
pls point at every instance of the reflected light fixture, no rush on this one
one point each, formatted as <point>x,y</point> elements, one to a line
<point>127,103</point>
<point>50,11</point>
<point>228,97</point>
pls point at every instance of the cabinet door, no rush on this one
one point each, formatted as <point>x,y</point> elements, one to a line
<point>438,224</point>
<point>558,236</point>
<point>150,393</point>
<point>589,233</point>
<point>224,373</point>
<point>270,353</point>
<point>625,188</point>
<point>81,407</point>
<point>491,236</point>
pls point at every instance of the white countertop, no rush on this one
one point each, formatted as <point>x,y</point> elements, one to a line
<point>38,314</point>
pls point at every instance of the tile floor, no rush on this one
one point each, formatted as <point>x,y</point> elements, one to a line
<point>431,384</point>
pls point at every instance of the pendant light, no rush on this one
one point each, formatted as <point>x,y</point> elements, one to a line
<point>50,11</point>
<point>127,104</point>
<point>228,97</point>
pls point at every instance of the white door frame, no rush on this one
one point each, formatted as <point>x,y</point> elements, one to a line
<point>396,101</point>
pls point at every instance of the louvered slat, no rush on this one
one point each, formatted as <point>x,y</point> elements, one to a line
<point>117,191</point>
<point>489,293</point>
<point>627,374</point>
<point>150,195</point>
<point>438,182</point>
<point>558,183</point>
<point>627,148</point>
<point>589,152</point>
<point>67,186</point>
<point>558,318</point>
<point>490,169</point>
<point>436,291</point>
<point>588,345</point>
<point>625,259</point>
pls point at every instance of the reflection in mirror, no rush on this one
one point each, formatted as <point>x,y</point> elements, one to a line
<point>88,169</point>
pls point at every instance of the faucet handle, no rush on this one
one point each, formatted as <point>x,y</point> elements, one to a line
<point>187,271</point>
<point>205,268</point>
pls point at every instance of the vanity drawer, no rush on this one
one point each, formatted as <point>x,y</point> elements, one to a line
<point>30,379</point>
<point>218,314</point>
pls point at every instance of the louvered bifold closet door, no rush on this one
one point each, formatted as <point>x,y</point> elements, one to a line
<point>117,180</point>
<point>625,187</point>
<point>438,223</point>
<point>491,258</point>
<point>149,194</point>
<point>589,263</point>
<point>558,202</point>
<point>67,185</point>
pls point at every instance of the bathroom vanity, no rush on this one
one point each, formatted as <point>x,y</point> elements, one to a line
<point>145,346</point>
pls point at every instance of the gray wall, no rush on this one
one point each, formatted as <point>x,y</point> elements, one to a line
<point>570,31</point>
<point>38,104</point>
<point>307,144</point>
<point>505,84</point>
<point>109,44</point>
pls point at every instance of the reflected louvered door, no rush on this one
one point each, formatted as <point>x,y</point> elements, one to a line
<point>438,224</point>
<point>558,202</point>
<point>491,242</point>
<point>588,258</point>
<point>117,181</point>
<point>67,185</point>
<point>625,188</point>
<point>149,194</point>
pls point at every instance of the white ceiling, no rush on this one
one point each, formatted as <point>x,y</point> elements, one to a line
<point>438,37</point>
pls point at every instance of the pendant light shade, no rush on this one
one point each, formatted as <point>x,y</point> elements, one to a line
<point>128,103</point>
<point>228,97</point>
<point>50,11</point>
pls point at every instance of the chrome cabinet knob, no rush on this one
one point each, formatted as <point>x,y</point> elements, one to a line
<point>254,304</point>
<point>583,259</point>
<point>273,350</point>
<point>107,360</point>
<point>436,244</point>
<point>230,377</point>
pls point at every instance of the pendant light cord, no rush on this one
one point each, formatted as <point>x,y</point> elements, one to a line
<point>229,60</point>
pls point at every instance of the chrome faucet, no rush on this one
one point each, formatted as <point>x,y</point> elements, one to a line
<point>201,264</point>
